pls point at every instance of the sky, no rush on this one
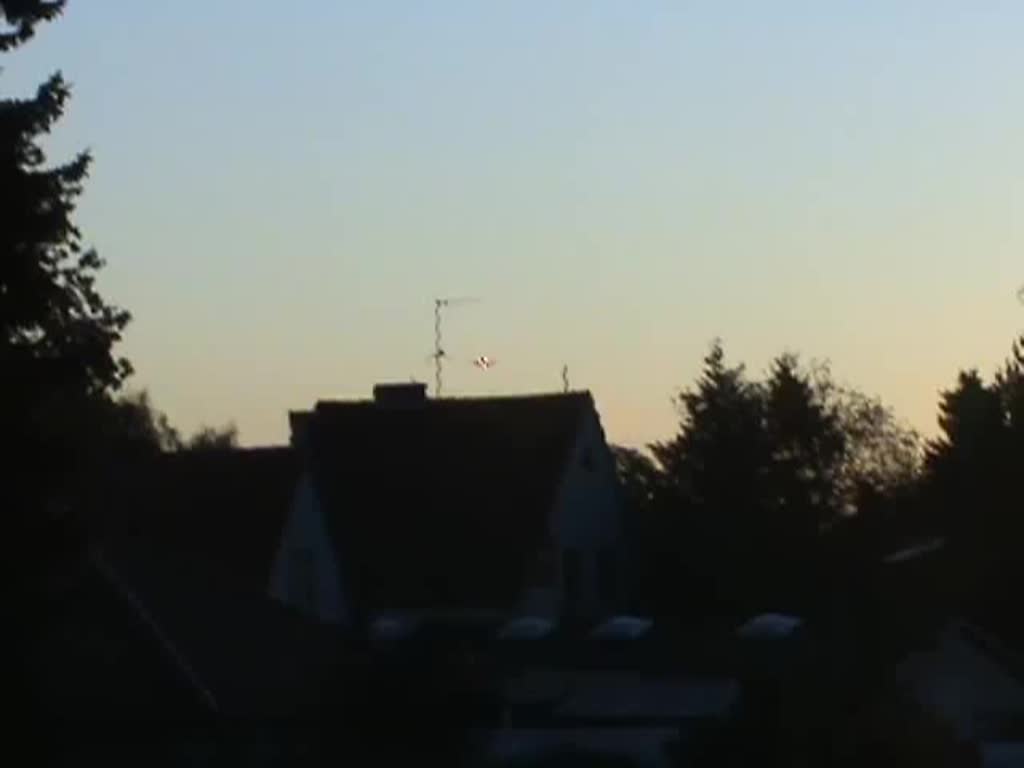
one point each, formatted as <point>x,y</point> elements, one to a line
<point>280,191</point>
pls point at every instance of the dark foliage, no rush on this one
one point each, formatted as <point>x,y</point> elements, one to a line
<point>732,514</point>
<point>57,333</point>
<point>22,16</point>
<point>214,439</point>
<point>973,477</point>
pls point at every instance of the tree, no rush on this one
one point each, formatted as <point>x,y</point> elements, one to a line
<point>716,457</point>
<point>57,333</point>
<point>883,456</point>
<point>651,532</point>
<point>973,477</point>
<point>760,471</point>
<point>639,478</point>
<point>22,16</point>
<point>136,426</point>
<point>808,446</point>
<point>1009,383</point>
<point>132,426</point>
<point>54,325</point>
<point>213,439</point>
<point>714,482</point>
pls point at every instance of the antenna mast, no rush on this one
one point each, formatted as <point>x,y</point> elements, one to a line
<point>439,352</point>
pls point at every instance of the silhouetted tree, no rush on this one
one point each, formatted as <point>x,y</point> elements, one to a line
<point>802,495</point>
<point>21,18</point>
<point>134,425</point>
<point>54,325</point>
<point>715,480</point>
<point>883,456</point>
<point>652,532</point>
<point>877,505</point>
<point>639,477</point>
<point>973,476</point>
<point>131,425</point>
<point>57,333</point>
<point>759,472</point>
<point>213,439</point>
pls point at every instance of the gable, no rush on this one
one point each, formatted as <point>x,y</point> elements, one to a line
<point>442,502</point>
<point>588,510</point>
<point>305,572</point>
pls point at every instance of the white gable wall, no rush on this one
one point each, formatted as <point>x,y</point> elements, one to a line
<point>587,515</point>
<point>959,682</point>
<point>585,518</point>
<point>305,573</point>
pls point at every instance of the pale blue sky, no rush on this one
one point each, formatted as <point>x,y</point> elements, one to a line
<point>281,189</point>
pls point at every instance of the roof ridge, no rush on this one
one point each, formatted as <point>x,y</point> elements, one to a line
<point>570,395</point>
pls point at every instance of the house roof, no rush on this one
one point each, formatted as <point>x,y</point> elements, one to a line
<point>93,656</point>
<point>439,502</point>
<point>250,655</point>
<point>220,512</point>
<point>191,538</point>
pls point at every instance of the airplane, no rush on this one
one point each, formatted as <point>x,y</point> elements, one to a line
<point>483,362</point>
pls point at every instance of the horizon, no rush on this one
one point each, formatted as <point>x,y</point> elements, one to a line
<point>617,186</point>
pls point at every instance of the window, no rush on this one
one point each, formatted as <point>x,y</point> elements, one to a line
<point>302,589</point>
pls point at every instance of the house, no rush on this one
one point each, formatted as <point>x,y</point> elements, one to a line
<point>503,506</point>
<point>972,682</point>
<point>94,656</point>
<point>631,690</point>
<point>185,546</point>
<point>217,514</point>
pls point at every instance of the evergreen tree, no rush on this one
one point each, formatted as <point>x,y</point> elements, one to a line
<point>758,472</point>
<point>973,477</point>
<point>714,480</point>
<point>807,450</point>
<point>22,16</point>
<point>57,333</point>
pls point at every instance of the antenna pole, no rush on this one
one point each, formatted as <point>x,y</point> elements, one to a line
<point>565,378</point>
<point>438,349</point>
<point>439,353</point>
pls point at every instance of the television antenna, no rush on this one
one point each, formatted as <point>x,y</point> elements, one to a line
<point>439,351</point>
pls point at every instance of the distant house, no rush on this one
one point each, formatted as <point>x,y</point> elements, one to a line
<point>93,654</point>
<point>505,505</point>
<point>217,514</point>
<point>972,682</point>
<point>185,549</point>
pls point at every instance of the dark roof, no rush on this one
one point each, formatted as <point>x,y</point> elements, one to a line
<point>193,535</point>
<point>220,512</point>
<point>438,503</point>
<point>255,656</point>
<point>92,657</point>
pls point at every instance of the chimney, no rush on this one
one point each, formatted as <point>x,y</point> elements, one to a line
<point>404,394</point>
